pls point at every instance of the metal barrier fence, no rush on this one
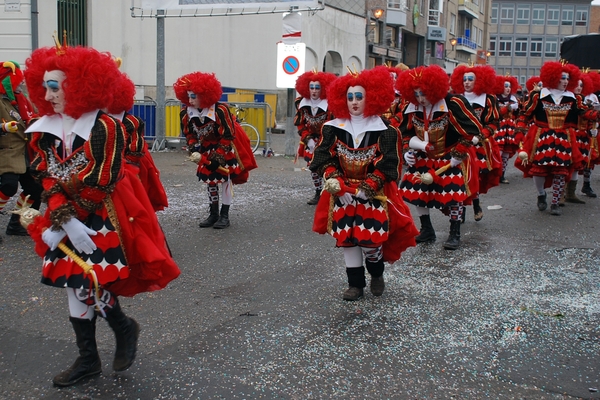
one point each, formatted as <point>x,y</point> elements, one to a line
<point>256,114</point>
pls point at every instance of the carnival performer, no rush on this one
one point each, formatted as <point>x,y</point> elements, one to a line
<point>137,156</point>
<point>223,150</point>
<point>506,137</point>
<point>15,111</point>
<point>92,204</point>
<point>476,83</point>
<point>550,153</point>
<point>358,156</point>
<point>437,132</point>
<point>585,132</point>
<point>312,111</point>
<point>593,150</point>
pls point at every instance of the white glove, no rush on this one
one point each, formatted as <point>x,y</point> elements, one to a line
<point>418,144</point>
<point>346,199</point>
<point>455,162</point>
<point>53,238</point>
<point>475,140</point>
<point>79,235</point>
<point>361,195</point>
<point>410,159</point>
<point>594,132</point>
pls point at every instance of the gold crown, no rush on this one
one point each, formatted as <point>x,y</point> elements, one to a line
<point>353,73</point>
<point>60,48</point>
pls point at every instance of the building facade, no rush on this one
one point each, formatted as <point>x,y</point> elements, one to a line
<point>525,34</point>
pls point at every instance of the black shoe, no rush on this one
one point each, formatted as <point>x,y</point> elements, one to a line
<point>353,294</point>
<point>427,233</point>
<point>587,190</point>
<point>477,211</point>
<point>315,200</point>
<point>555,209</point>
<point>15,228</point>
<point>453,241</point>
<point>377,286</point>
<point>541,202</point>
<point>223,221</point>
<point>88,363</point>
<point>504,180</point>
<point>212,217</point>
<point>126,332</point>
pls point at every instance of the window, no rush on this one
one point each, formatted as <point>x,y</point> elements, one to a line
<point>538,16</point>
<point>553,15</point>
<point>398,4</point>
<point>434,13</point>
<point>494,14</point>
<point>535,46</point>
<point>479,37</point>
<point>567,16</point>
<point>505,46</point>
<point>452,24</point>
<point>492,46</point>
<point>72,19</point>
<point>523,14</point>
<point>521,47</point>
<point>581,17</point>
<point>551,48</point>
<point>507,14</point>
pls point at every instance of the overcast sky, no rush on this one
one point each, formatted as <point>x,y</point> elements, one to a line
<point>596,2</point>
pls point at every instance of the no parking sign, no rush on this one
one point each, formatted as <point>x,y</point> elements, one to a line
<point>290,64</point>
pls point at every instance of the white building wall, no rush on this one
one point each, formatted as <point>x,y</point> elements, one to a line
<point>240,50</point>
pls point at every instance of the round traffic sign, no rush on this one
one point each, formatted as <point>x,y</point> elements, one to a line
<point>291,65</point>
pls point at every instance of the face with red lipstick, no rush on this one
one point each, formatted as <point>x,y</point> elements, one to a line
<point>356,100</point>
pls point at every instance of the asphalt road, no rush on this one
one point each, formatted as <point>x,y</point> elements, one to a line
<point>257,311</point>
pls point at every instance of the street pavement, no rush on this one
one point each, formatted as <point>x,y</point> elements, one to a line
<point>257,311</point>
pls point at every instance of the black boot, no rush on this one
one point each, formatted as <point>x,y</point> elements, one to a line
<point>223,221</point>
<point>88,363</point>
<point>356,283</point>
<point>541,202</point>
<point>503,179</point>
<point>453,241</point>
<point>477,211</point>
<point>427,233</point>
<point>212,217</point>
<point>14,227</point>
<point>376,272</point>
<point>587,190</point>
<point>315,200</point>
<point>126,332</point>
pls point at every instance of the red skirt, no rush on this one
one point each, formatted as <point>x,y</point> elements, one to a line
<point>368,223</point>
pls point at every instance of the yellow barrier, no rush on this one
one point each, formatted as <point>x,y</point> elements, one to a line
<point>172,120</point>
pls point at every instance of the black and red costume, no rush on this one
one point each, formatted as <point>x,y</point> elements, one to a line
<point>361,153</point>
<point>444,128</point>
<point>212,131</point>
<point>92,201</point>
<point>550,153</point>
<point>312,111</point>
<point>507,137</point>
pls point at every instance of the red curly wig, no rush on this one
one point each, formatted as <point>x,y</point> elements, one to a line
<point>379,92</point>
<point>303,81</point>
<point>205,85</point>
<point>485,79</point>
<point>88,74</point>
<point>532,82</point>
<point>499,88</point>
<point>587,83</point>
<point>432,80</point>
<point>123,96</point>
<point>551,71</point>
<point>595,77</point>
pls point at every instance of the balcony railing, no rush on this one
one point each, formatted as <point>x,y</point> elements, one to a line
<point>468,7</point>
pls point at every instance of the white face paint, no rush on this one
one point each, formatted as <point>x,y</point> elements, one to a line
<point>469,81</point>
<point>193,99</point>
<point>355,97</point>
<point>564,81</point>
<point>55,94</point>
<point>507,89</point>
<point>421,99</point>
<point>315,90</point>
<point>579,87</point>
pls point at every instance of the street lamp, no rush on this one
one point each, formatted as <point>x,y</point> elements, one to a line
<point>453,43</point>
<point>377,13</point>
